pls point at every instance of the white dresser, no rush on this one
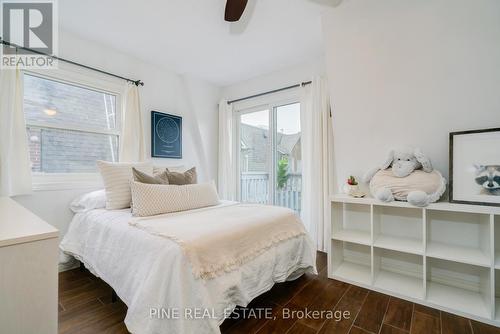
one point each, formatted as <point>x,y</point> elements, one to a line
<point>28,271</point>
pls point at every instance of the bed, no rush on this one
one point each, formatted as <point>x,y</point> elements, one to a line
<point>153,277</point>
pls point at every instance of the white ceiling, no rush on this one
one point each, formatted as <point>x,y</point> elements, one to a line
<point>191,37</point>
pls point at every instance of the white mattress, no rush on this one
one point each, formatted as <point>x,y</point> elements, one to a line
<point>150,272</point>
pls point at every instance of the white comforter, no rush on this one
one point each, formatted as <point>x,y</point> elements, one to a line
<point>150,273</point>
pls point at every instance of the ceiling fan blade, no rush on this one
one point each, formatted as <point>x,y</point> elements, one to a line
<point>234,10</point>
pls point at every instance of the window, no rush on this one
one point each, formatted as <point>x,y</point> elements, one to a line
<point>270,161</point>
<point>69,126</point>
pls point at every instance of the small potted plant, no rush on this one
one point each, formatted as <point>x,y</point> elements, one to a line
<point>351,186</point>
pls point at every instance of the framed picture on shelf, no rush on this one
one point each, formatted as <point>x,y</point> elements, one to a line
<point>166,135</point>
<point>475,167</point>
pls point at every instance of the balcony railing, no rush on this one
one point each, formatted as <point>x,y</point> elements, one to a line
<point>255,189</point>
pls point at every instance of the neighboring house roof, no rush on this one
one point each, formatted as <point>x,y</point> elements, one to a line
<point>254,140</point>
<point>286,143</point>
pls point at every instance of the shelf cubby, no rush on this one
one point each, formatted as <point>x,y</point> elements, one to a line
<point>351,222</point>
<point>452,284</point>
<point>401,273</point>
<point>459,236</point>
<point>351,261</point>
<point>398,229</point>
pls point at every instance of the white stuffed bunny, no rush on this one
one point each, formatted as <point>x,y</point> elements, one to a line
<point>411,178</point>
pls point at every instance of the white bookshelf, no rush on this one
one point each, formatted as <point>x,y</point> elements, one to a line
<point>445,255</point>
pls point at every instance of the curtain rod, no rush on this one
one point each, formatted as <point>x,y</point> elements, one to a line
<point>270,92</point>
<point>135,82</point>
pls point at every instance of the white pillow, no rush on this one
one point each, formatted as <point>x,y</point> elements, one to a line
<point>155,199</point>
<point>116,177</point>
<point>89,201</point>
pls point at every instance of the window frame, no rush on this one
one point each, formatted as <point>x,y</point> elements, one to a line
<point>84,79</point>
<point>270,103</point>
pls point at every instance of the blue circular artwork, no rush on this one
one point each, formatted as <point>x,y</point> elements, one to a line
<point>167,130</point>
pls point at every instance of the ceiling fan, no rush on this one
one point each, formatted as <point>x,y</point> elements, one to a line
<point>235,8</point>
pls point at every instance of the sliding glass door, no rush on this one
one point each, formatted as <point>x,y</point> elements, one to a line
<point>254,157</point>
<point>270,160</point>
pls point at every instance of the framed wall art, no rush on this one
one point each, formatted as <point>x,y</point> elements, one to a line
<point>166,135</point>
<point>475,167</point>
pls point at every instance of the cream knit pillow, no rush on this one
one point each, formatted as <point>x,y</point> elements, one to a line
<point>116,177</point>
<point>155,199</point>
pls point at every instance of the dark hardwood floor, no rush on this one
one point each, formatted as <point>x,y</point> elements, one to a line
<point>85,307</point>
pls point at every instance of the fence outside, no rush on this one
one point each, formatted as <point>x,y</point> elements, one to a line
<point>255,189</point>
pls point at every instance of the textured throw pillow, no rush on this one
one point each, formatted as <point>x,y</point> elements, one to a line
<point>116,177</point>
<point>156,178</point>
<point>155,199</point>
<point>188,177</point>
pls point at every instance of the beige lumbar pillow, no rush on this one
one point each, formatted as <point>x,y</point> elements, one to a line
<point>155,199</point>
<point>156,178</point>
<point>116,177</point>
<point>188,177</point>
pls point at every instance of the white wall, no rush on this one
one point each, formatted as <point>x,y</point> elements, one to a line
<point>408,73</point>
<point>274,80</point>
<point>165,91</point>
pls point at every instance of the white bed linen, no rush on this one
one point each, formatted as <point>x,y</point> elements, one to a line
<point>148,271</point>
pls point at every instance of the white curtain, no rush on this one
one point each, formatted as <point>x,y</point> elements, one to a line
<point>15,165</point>
<point>316,142</point>
<point>226,172</point>
<point>132,147</point>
